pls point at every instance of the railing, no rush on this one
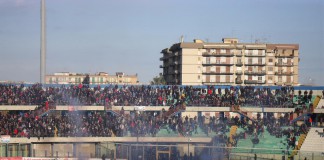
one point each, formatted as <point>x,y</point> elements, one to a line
<point>255,72</point>
<point>218,73</point>
<point>284,55</point>
<point>255,64</point>
<point>254,81</point>
<point>239,72</point>
<point>255,55</point>
<point>284,64</point>
<point>141,150</point>
<point>239,63</point>
<point>207,54</point>
<point>238,81</point>
<point>218,64</point>
<point>284,73</point>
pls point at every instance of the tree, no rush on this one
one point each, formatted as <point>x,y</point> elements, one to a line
<point>158,80</point>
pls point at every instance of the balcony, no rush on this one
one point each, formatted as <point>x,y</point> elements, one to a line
<point>239,72</point>
<point>255,72</point>
<point>162,66</point>
<point>284,55</point>
<point>217,73</point>
<point>239,64</point>
<point>254,81</point>
<point>217,83</point>
<point>255,64</point>
<point>238,81</point>
<point>255,55</point>
<point>209,54</point>
<point>284,73</point>
<point>284,64</point>
<point>239,54</point>
<point>217,64</point>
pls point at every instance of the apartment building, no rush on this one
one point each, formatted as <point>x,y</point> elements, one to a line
<point>230,63</point>
<point>97,78</point>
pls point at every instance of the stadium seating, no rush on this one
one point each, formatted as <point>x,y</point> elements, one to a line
<point>313,142</point>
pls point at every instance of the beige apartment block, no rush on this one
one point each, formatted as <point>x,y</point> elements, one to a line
<point>230,63</point>
<point>98,78</point>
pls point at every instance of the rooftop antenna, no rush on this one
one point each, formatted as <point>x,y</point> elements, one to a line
<point>181,39</point>
<point>43,43</point>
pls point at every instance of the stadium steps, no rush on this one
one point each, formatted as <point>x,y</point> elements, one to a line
<point>317,100</point>
<point>242,112</point>
<point>302,117</point>
<point>297,148</point>
<point>313,142</point>
<point>320,103</point>
<point>268,144</point>
<point>46,112</point>
<point>174,111</point>
<point>114,112</point>
<point>231,134</point>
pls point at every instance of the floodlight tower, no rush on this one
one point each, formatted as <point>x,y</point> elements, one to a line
<point>43,43</point>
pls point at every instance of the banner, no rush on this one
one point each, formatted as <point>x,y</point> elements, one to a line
<point>71,108</point>
<point>5,138</point>
<point>10,158</point>
<point>139,108</point>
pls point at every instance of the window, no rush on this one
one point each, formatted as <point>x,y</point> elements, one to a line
<point>198,58</point>
<point>259,78</point>
<point>239,61</point>
<point>198,76</point>
<point>259,60</point>
<point>270,69</point>
<point>270,78</point>
<point>280,79</point>
<point>208,60</point>
<point>250,61</point>
<point>270,60</point>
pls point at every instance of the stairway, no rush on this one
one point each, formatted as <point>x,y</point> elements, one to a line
<point>320,104</point>
<point>300,142</point>
<point>173,111</point>
<point>316,101</point>
<point>231,134</point>
<point>311,146</point>
<point>304,116</point>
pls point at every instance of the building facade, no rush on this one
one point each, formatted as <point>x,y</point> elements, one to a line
<point>98,78</point>
<point>230,63</point>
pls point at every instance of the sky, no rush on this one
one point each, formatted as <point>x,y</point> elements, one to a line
<point>111,36</point>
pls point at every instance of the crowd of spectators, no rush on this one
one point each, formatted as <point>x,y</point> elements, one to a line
<point>145,95</point>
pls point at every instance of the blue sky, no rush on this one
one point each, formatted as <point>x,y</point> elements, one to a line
<point>127,35</point>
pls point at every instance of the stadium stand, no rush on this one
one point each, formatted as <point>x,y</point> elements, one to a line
<point>269,134</point>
